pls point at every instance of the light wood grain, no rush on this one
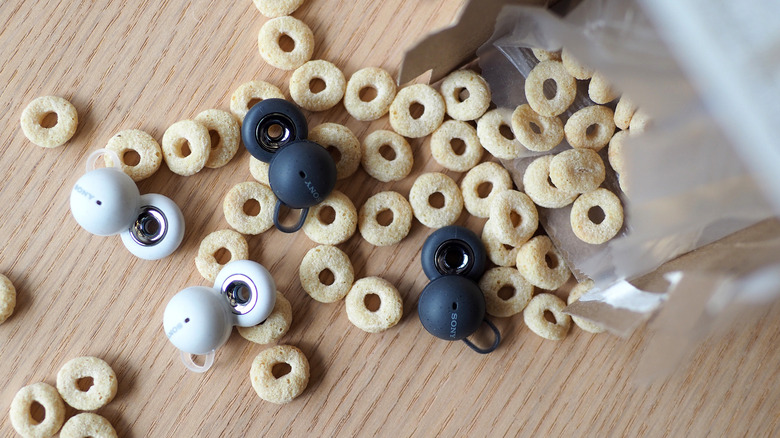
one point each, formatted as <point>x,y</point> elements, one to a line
<point>147,64</point>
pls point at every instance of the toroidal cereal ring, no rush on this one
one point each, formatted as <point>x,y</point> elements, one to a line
<point>577,170</point>
<point>624,111</point>
<point>400,159</point>
<point>600,91</point>
<point>233,242</point>
<point>590,231</point>
<point>259,170</point>
<point>538,188</point>
<point>141,143</point>
<point>104,383</point>
<point>441,146</point>
<point>565,88</point>
<point>193,134</point>
<point>228,131</point>
<point>35,113</point>
<point>390,305</point>
<point>503,207</point>
<point>615,151</point>
<point>342,139</point>
<point>473,106</point>
<point>501,254</point>
<point>237,217</point>
<point>287,387</point>
<point>424,187</point>
<point>301,85</point>
<point>544,55</point>
<point>496,279</point>
<point>248,91</point>
<point>317,226</point>
<point>277,8</point>
<point>274,327</point>
<point>533,315</point>
<point>575,294</point>
<point>401,118</point>
<point>489,173</point>
<point>45,395</point>
<point>268,42</point>
<point>542,264</point>
<point>326,258</point>
<point>87,424</point>
<point>491,138</point>
<point>7,298</point>
<point>378,234</point>
<point>550,134</point>
<point>369,78</point>
<point>574,67</point>
<point>590,127</point>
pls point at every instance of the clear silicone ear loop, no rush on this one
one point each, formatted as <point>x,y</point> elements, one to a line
<point>186,359</point>
<point>93,157</point>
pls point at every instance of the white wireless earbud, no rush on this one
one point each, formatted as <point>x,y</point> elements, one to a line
<point>199,319</point>
<point>106,201</point>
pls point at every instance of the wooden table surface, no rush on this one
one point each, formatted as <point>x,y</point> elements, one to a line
<point>147,64</point>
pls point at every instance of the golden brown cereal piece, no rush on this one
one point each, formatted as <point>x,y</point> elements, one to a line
<point>438,214</point>
<point>401,118</point>
<point>575,294</point>
<point>615,151</point>
<point>45,395</point>
<point>490,135</point>
<point>624,111</point>
<point>369,78</point>
<point>383,143</point>
<point>574,67</point>
<point>273,327</point>
<point>590,127</point>
<point>504,207</point>
<point>497,179</point>
<point>301,85</point>
<point>538,188</point>
<point>104,383</point>
<point>390,305</point>
<point>639,122</point>
<point>324,228</point>
<point>196,137</point>
<point>277,8</point>
<point>35,113</point>
<point>285,388</point>
<point>380,234</point>
<point>471,107</point>
<point>600,91</point>
<point>249,91</point>
<point>323,259</point>
<point>498,304</point>
<point>542,264</point>
<point>550,134</point>
<point>443,153</point>
<point>544,55</point>
<point>342,139</point>
<point>259,170</point>
<point>565,88</point>
<point>7,298</point>
<point>233,242</point>
<point>234,207</point>
<point>577,170</point>
<point>229,132</point>
<point>270,50</point>
<point>141,143</point>
<point>533,315</point>
<point>500,253</point>
<point>87,425</point>
<point>596,232</point>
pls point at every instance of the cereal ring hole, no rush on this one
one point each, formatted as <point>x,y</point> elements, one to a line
<point>387,152</point>
<point>131,158</point>
<point>593,131</point>
<point>182,148</point>
<point>215,138</point>
<point>462,94</point>
<point>508,247</point>
<point>280,369</point>
<point>506,293</point>
<point>416,110</point>
<point>367,94</point>
<point>222,256</point>
<point>506,131</point>
<point>316,85</point>
<point>535,128</point>
<point>372,302</point>
<point>49,120</point>
<point>384,217</point>
<point>436,200</point>
<point>550,88</point>
<point>286,43</point>
<point>515,218</point>
<point>326,277</point>
<point>550,317</point>
<point>458,146</point>
<point>596,215</point>
<point>327,215</point>
<point>484,189</point>
<point>252,102</point>
<point>334,153</point>
<point>251,207</point>
<point>83,384</point>
<point>551,260</point>
<point>37,412</point>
